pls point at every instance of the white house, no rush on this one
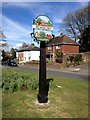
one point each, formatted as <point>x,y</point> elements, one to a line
<point>28,54</point>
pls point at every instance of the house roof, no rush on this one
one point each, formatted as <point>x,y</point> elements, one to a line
<point>62,40</point>
<point>29,49</point>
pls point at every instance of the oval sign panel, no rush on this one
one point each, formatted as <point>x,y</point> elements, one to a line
<point>42,28</point>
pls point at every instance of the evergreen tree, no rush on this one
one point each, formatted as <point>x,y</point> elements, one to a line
<point>85,40</point>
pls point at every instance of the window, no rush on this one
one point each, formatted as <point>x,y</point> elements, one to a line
<point>58,47</point>
<point>29,58</point>
<point>49,48</point>
<point>25,58</point>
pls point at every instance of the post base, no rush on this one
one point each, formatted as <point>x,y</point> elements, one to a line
<point>42,99</point>
<point>42,105</point>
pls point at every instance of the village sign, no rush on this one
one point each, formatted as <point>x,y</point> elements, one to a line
<point>42,28</point>
<point>42,31</point>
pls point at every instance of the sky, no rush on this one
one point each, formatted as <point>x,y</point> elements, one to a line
<point>17,18</point>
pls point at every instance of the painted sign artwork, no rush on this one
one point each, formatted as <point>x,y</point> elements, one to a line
<point>42,28</point>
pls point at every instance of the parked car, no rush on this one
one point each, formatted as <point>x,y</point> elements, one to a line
<point>12,63</point>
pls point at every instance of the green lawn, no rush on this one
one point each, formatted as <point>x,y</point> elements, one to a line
<point>69,100</point>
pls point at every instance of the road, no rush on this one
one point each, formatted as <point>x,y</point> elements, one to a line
<point>53,72</point>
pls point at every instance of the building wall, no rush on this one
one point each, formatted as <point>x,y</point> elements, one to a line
<point>35,55</point>
<point>20,56</point>
<point>69,49</point>
<point>48,50</point>
<point>64,49</point>
<point>27,56</point>
<point>17,55</point>
<point>53,51</point>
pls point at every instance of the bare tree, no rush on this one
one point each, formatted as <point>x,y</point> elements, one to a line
<point>2,39</point>
<point>76,22</point>
<point>70,26</point>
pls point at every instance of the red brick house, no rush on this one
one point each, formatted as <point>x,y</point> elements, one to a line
<point>63,44</point>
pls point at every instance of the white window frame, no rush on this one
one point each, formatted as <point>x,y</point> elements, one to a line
<point>58,47</point>
<point>49,48</point>
<point>29,58</point>
<point>24,58</point>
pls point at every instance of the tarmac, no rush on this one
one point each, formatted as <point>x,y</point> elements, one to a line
<point>79,69</point>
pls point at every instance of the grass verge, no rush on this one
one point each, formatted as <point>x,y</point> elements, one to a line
<point>68,99</point>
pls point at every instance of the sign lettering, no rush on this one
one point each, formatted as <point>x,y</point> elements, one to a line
<point>42,28</point>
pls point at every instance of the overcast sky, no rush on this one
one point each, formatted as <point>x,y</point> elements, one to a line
<point>17,17</point>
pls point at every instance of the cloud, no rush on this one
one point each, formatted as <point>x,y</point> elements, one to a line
<point>39,8</point>
<point>20,0</point>
<point>20,4</point>
<point>81,0</point>
<point>15,32</point>
<point>18,33</point>
<point>83,4</point>
<point>18,45</point>
<point>57,20</point>
<point>36,8</point>
<point>45,1</point>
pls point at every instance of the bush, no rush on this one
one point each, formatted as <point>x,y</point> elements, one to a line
<point>16,81</point>
<point>71,58</point>
<point>59,57</point>
<point>59,60</point>
<point>77,59</point>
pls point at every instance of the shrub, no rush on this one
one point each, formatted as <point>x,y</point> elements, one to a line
<point>71,58</point>
<point>59,57</point>
<point>59,60</point>
<point>16,81</point>
<point>77,59</point>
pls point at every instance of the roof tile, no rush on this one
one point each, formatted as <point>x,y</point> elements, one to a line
<point>62,40</point>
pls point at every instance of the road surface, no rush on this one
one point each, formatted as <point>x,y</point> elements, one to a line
<point>73,75</point>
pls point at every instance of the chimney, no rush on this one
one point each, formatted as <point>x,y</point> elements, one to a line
<point>61,34</point>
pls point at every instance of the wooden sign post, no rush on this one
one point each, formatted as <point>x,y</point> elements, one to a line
<point>42,30</point>
<point>42,97</point>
